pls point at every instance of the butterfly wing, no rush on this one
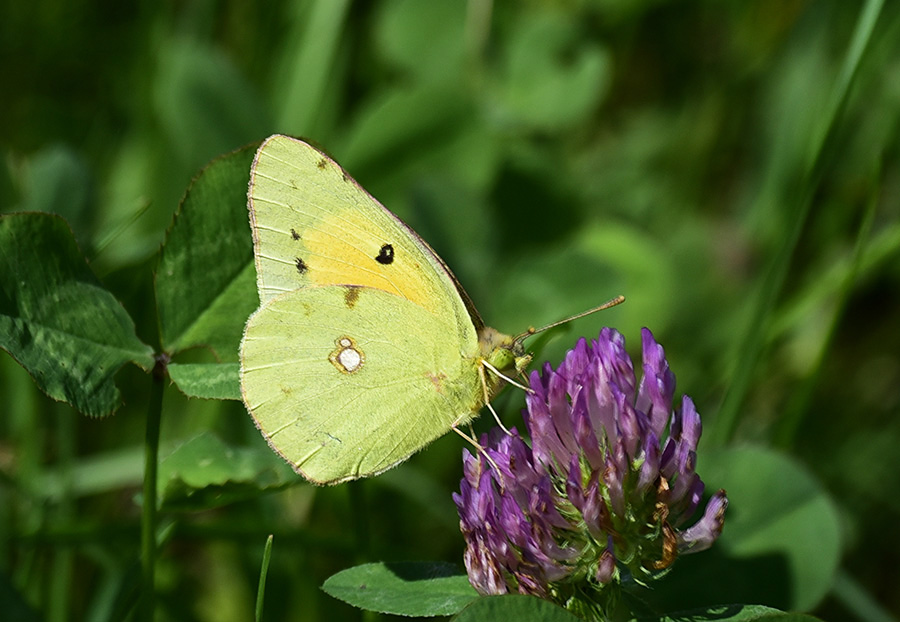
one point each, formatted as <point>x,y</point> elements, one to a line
<point>347,381</point>
<point>314,225</point>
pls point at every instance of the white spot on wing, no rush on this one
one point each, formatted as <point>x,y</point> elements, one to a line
<point>348,358</point>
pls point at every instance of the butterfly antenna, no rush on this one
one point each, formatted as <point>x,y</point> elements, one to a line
<point>534,331</point>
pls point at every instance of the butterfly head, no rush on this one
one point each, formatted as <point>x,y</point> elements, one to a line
<point>503,352</point>
<point>507,354</point>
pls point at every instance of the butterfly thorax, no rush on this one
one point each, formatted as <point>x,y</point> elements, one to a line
<point>503,353</point>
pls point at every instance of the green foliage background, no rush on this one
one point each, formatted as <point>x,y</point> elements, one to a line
<point>556,154</point>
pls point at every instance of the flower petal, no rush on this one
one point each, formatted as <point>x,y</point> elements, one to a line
<point>702,535</point>
<point>657,386</point>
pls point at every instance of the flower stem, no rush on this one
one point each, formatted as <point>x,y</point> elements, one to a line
<point>148,514</point>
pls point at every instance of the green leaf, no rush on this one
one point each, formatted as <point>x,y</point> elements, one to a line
<point>89,475</point>
<point>422,127</point>
<point>58,181</point>
<point>552,77</point>
<point>733,613</point>
<point>57,320</point>
<point>204,473</point>
<point>781,542</point>
<point>205,106</point>
<point>425,39</point>
<point>217,381</point>
<point>205,282</point>
<point>405,588</point>
<point>778,507</point>
<point>516,607</point>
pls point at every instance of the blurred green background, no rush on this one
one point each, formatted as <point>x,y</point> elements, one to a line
<point>689,155</point>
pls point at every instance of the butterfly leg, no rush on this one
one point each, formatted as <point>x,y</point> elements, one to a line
<point>469,437</point>
<point>487,397</point>
<point>502,375</point>
<point>524,378</point>
<point>477,445</point>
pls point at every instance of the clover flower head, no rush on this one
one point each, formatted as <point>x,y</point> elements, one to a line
<point>604,488</point>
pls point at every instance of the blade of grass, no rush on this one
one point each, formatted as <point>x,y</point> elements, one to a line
<point>264,571</point>
<point>308,68</point>
<point>751,344</point>
<point>851,594</point>
<point>799,403</point>
<point>118,228</point>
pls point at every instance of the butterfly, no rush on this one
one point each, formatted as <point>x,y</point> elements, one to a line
<point>365,347</point>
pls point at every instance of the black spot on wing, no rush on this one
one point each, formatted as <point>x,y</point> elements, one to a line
<point>302,268</point>
<point>322,164</point>
<point>385,255</point>
<point>294,234</point>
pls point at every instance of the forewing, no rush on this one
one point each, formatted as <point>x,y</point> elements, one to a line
<point>345,382</point>
<point>314,225</point>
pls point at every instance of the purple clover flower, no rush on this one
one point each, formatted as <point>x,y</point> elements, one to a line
<point>604,488</point>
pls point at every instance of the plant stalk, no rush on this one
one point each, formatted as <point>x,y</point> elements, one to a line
<point>148,514</point>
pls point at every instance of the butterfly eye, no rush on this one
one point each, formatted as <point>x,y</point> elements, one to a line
<point>385,255</point>
<point>503,358</point>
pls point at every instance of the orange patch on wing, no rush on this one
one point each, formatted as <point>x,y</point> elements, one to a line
<point>345,250</point>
